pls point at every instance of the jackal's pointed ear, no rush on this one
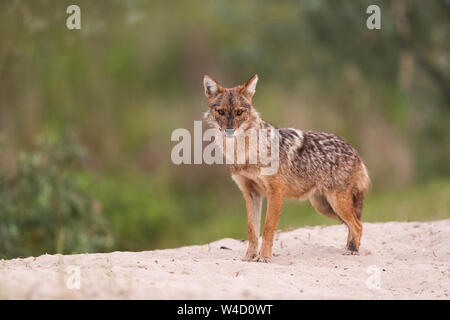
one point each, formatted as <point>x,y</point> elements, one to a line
<point>249,87</point>
<point>212,88</point>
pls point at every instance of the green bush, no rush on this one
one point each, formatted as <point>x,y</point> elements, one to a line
<point>44,209</point>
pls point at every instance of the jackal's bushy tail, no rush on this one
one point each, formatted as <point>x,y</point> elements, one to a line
<point>363,180</point>
<point>362,185</point>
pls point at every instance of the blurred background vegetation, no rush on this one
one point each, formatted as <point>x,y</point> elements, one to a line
<point>86,115</point>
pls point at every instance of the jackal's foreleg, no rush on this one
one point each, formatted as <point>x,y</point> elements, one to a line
<point>253,203</point>
<point>274,204</point>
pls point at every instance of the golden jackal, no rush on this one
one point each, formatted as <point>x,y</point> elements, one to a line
<point>315,165</point>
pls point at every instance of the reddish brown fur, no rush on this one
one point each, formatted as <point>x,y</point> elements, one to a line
<point>314,165</point>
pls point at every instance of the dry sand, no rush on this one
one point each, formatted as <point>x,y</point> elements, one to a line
<point>411,260</point>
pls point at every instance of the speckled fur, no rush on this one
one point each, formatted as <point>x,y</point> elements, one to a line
<point>319,162</point>
<point>315,165</point>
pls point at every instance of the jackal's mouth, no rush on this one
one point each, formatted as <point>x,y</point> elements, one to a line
<point>229,132</point>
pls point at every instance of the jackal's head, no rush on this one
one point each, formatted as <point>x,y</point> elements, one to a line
<point>231,109</point>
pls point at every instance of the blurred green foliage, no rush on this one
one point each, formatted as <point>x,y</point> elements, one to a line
<point>133,74</point>
<point>43,208</point>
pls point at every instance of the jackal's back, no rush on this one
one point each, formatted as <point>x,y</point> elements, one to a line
<point>319,161</point>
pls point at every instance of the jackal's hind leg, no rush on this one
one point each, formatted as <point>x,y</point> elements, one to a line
<point>342,204</point>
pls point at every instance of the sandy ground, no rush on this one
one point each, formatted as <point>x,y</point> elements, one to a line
<point>397,261</point>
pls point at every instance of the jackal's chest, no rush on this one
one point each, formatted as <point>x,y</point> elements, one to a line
<point>243,174</point>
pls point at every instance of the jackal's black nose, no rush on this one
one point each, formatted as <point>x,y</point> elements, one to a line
<point>229,131</point>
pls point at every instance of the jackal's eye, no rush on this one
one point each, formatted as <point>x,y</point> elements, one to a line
<point>239,112</point>
<point>221,112</point>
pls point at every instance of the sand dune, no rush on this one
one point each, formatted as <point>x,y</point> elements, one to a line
<point>398,261</point>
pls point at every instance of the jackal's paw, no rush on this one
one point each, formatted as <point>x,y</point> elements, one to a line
<point>264,259</point>
<point>351,249</point>
<point>250,256</point>
<point>349,252</point>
